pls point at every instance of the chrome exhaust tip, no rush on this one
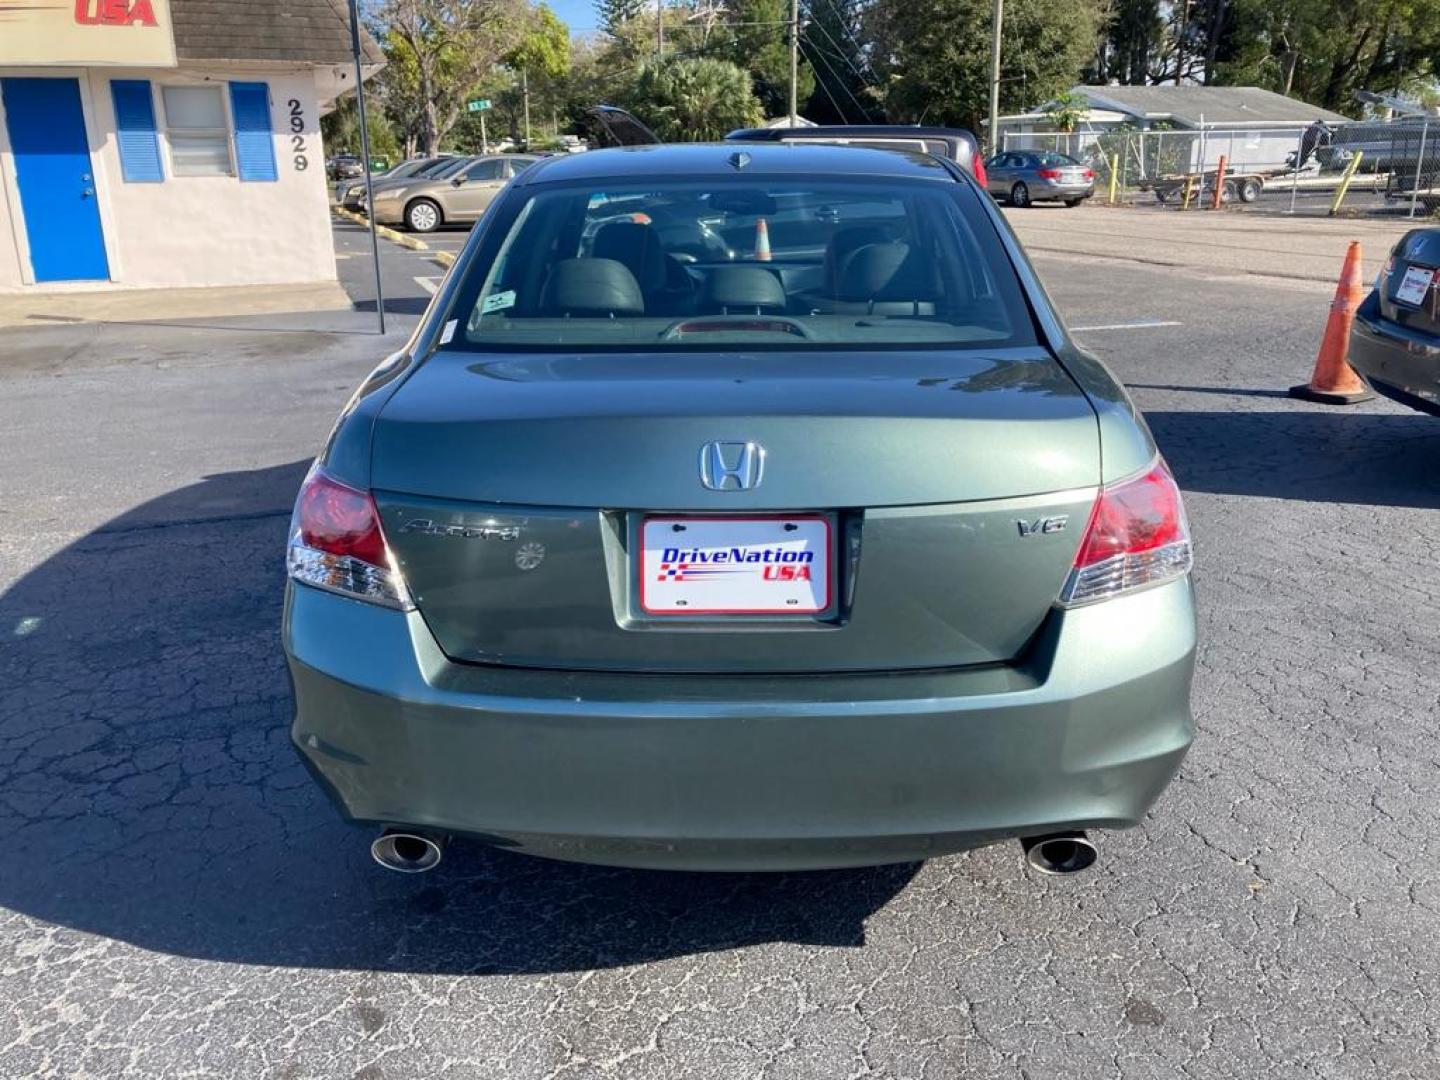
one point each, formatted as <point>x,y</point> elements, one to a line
<point>1059,853</point>
<point>408,852</point>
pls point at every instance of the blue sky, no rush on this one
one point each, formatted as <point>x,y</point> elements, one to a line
<point>579,15</point>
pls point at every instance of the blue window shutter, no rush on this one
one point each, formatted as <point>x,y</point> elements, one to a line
<point>254,144</point>
<point>135,131</point>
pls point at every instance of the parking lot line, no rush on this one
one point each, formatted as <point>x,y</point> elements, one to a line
<point>429,284</point>
<point>1143,324</point>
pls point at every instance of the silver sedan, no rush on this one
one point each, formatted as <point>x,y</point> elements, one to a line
<point>1024,176</point>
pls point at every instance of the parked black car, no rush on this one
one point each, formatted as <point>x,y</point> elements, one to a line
<point>957,144</point>
<point>344,167</point>
<point>606,125</point>
<point>1395,342</point>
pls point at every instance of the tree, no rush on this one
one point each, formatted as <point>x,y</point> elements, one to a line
<point>398,91</point>
<point>934,57</point>
<point>543,51</point>
<point>755,35</point>
<point>450,45</point>
<point>1065,111</point>
<point>1132,42</point>
<point>340,130</point>
<point>637,38</point>
<point>1325,50</point>
<point>614,14</point>
<point>596,76</point>
<point>1319,50</point>
<point>694,100</point>
<point>845,86</point>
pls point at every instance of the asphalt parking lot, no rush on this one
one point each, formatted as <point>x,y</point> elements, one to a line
<point>176,898</point>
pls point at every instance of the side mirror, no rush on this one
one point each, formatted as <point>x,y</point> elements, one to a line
<point>456,181</point>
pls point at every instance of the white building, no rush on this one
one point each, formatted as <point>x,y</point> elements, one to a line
<point>168,143</point>
<point>1189,125</point>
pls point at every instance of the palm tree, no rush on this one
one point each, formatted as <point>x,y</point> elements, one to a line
<point>695,100</point>
<point>1065,111</point>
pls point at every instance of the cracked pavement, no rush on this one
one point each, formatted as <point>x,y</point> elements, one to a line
<point>178,899</point>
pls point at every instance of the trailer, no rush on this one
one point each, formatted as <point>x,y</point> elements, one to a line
<point>1243,185</point>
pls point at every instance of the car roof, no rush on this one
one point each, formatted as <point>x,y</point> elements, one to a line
<point>720,159</point>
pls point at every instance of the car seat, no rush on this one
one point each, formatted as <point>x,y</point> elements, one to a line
<point>663,282</point>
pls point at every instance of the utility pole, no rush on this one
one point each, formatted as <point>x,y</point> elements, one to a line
<point>1180,41</point>
<point>997,18</point>
<point>365,153</point>
<point>525,93</point>
<point>794,61</point>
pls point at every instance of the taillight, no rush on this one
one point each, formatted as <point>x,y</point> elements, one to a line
<point>980,176</point>
<point>1137,536</point>
<point>336,543</point>
<point>1050,174</point>
<point>1089,174</point>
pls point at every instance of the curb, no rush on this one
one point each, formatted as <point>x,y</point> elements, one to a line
<point>444,258</point>
<point>405,240</point>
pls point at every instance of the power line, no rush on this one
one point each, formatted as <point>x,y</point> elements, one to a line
<point>833,103</point>
<point>834,74</point>
<point>844,23</point>
<point>840,79</point>
<point>839,52</point>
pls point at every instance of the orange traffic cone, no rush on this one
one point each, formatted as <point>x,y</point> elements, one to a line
<point>1334,381</point>
<point>762,240</point>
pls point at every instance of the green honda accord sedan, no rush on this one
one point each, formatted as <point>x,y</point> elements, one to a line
<point>741,507</point>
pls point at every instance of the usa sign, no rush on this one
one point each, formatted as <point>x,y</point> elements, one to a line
<point>88,33</point>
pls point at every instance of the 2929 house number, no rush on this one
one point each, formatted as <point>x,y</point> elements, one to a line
<point>301,161</point>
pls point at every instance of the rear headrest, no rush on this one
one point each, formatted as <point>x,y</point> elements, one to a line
<point>746,288</point>
<point>892,271</point>
<point>592,287</point>
<point>636,245</point>
<point>848,240</point>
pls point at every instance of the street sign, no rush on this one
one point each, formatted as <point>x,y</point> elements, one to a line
<point>478,105</point>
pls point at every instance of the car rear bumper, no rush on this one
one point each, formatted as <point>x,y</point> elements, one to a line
<point>389,213</point>
<point>701,772</point>
<point>1401,363</point>
<point>1042,190</point>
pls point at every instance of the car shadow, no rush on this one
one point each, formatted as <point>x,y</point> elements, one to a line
<point>396,305</point>
<point>148,791</point>
<point>1342,456</point>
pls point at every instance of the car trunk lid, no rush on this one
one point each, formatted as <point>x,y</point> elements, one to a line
<point>1413,287</point>
<point>954,489</point>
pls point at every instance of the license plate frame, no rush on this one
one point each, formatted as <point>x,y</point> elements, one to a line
<point>1413,293</point>
<point>657,595</point>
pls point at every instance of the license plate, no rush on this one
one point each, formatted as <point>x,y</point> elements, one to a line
<point>1415,285</point>
<point>735,566</point>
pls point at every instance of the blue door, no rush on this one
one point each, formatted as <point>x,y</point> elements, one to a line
<point>56,179</point>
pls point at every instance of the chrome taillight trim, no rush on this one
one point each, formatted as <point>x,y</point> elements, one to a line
<point>347,576</point>
<point>1123,574</point>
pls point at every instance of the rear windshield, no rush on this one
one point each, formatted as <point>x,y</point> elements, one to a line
<point>781,264</point>
<point>409,168</point>
<point>433,168</point>
<point>1049,157</point>
<point>448,168</point>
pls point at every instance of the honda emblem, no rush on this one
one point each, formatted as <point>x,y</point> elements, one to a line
<point>731,466</point>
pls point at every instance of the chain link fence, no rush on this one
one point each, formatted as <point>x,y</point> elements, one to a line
<point>1375,167</point>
